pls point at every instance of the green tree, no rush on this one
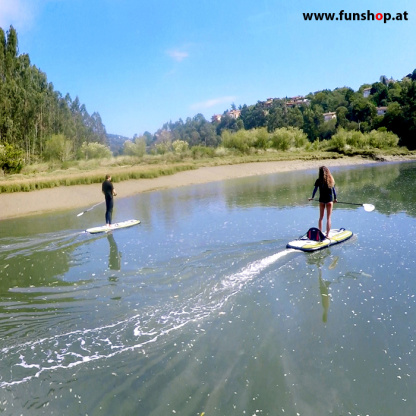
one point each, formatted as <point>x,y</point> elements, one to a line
<point>294,117</point>
<point>379,94</point>
<point>363,110</point>
<point>149,138</point>
<point>312,120</point>
<point>227,123</point>
<point>393,119</point>
<point>31,111</point>
<point>2,56</point>
<point>327,129</point>
<point>59,148</point>
<point>276,118</point>
<point>408,105</point>
<point>11,51</point>
<point>253,116</point>
<point>342,120</point>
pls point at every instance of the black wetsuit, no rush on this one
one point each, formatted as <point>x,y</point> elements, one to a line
<point>325,192</point>
<point>108,190</point>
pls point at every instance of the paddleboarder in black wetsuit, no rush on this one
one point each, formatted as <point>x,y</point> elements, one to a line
<point>326,185</point>
<point>109,192</point>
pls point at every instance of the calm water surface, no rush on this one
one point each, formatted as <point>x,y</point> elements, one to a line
<point>202,309</point>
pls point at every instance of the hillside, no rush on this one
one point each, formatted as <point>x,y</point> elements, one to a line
<point>39,124</point>
<point>116,143</point>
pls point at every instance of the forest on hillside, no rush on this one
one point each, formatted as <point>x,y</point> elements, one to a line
<point>385,105</point>
<point>39,124</point>
<point>35,119</point>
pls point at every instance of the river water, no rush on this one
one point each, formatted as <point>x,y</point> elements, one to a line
<point>201,309</point>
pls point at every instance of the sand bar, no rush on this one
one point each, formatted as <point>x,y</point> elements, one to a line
<point>21,204</point>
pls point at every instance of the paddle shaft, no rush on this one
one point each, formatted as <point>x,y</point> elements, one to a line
<point>349,203</point>
<point>367,207</point>
<point>339,202</point>
<point>89,209</point>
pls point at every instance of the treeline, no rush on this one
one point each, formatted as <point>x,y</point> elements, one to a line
<point>38,124</point>
<point>33,116</point>
<point>386,105</point>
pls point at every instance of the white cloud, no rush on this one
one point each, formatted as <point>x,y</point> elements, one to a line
<point>213,102</point>
<point>178,55</point>
<point>19,13</point>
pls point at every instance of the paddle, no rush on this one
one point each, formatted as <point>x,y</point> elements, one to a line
<point>89,209</point>
<point>367,207</point>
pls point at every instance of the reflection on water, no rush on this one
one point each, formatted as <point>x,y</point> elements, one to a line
<point>319,259</point>
<point>325,295</point>
<point>202,309</point>
<point>114,258</point>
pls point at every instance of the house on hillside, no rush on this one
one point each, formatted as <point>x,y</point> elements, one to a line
<point>233,113</point>
<point>297,101</point>
<point>330,116</point>
<point>216,118</point>
<point>366,92</point>
<point>268,102</point>
<point>381,111</point>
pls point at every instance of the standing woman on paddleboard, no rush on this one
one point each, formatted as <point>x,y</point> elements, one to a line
<point>327,196</point>
<point>109,192</point>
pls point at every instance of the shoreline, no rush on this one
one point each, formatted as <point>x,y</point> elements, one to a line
<point>21,204</point>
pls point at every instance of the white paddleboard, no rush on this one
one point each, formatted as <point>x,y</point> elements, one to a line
<point>116,226</point>
<point>336,236</point>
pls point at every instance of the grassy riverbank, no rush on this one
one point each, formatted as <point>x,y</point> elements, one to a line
<point>44,176</point>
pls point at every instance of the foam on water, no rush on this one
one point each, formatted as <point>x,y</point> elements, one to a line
<point>29,360</point>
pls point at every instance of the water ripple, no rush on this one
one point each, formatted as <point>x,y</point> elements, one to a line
<point>29,360</point>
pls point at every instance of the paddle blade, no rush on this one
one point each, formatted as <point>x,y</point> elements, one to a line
<point>369,207</point>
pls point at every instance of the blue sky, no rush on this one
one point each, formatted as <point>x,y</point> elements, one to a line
<point>143,63</point>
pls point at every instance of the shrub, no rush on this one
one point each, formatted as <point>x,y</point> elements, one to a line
<point>58,147</point>
<point>382,139</point>
<point>136,148</point>
<point>300,139</point>
<point>202,151</point>
<point>239,140</point>
<point>338,141</point>
<point>287,137</point>
<point>11,158</point>
<point>280,140</point>
<point>94,151</point>
<point>357,140</point>
<point>180,146</point>
<point>163,147</point>
<point>261,138</point>
<point>221,151</point>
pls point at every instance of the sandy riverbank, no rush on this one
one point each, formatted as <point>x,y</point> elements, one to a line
<point>84,196</point>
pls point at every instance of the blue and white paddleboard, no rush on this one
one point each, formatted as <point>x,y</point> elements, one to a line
<point>116,226</point>
<point>336,236</point>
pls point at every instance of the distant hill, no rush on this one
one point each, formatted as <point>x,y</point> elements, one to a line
<point>116,143</point>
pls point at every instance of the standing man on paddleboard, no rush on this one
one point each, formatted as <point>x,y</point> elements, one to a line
<point>326,185</point>
<point>109,192</point>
